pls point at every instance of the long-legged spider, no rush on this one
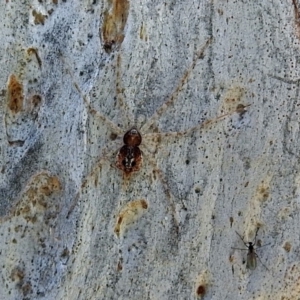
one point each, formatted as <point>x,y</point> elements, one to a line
<point>129,157</point>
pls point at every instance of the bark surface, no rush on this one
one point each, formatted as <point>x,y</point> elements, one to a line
<point>213,88</point>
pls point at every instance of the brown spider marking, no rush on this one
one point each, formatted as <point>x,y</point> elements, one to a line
<point>129,158</point>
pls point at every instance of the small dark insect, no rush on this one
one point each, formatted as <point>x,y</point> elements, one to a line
<point>129,158</point>
<point>251,255</point>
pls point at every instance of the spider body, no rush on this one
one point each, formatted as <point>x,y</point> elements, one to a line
<point>129,158</point>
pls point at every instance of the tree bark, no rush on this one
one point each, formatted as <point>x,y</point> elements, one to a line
<point>213,89</point>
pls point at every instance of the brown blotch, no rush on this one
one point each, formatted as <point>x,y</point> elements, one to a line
<point>297,18</point>
<point>144,204</point>
<point>129,214</point>
<point>241,108</point>
<point>65,253</point>
<point>287,246</point>
<point>35,101</point>
<point>17,274</point>
<point>38,17</point>
<point>15,96</point>
<point>34,201</point>
<point>113,136</point>
<point>115,19</point>
<point>27,289</point>
<point>233,99</point>
<point>52,185</point>
<point>264,192</point>
<point>201,290</point>
<point>202,284</point>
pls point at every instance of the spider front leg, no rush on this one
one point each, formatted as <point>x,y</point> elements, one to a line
<point>172,98</point>
<point>92,176</point>
<point>170,197</point>
<point>116,130</point>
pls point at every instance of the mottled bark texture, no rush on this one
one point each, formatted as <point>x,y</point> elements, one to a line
<point>213,89</point>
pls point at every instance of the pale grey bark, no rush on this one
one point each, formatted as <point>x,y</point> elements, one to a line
<point>62,236</point>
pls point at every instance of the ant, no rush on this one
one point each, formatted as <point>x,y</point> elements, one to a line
<point>251,255</point>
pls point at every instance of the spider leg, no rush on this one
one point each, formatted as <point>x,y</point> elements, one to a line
<point>119,91</point>
<point>103,159</point>
<point>200,126</point>
<point>167,191</point>
<point>91,110</point>
<point>189,130</point>
<point>174,95</point>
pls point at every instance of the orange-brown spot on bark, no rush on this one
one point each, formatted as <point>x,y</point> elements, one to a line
<point>297,18</point>
<point>35,200</point>
<point>38,17</point>
<point>132,212</point>
<point>263,192</point>
<point>115,19</point>
<point>144,204</point>
<point>52,185</point>
<point>15,96</point>
<point>201,290</point>
<point>233,99</point>
<point>287,246</point>
<point>17,274</point>
<point>202,284</point>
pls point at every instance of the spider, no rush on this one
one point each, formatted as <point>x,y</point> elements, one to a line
<point>129,158</point>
